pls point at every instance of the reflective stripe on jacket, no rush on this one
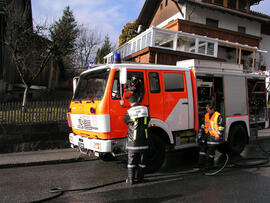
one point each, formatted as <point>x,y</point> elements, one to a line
<point>211,124</point>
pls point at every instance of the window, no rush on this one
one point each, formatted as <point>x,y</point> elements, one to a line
<point>202,47</point>
<point>154,83</point>
<point>143,41</point>
<point>116,87</point>
<point>135,84</point>
<point>219,2</point>
<point>139,45</point>
<point>232,4</point>
<point>207,1</point>
<point>148,39</point>
<point>211,22</point>
<point>133,47</point>
<point>210,48</point>
<point>92,85</point>
<point>164,39</point>
<point>186,44</point>
<point>241,29</point>
<point>173,82</point>
<point>242,5</point>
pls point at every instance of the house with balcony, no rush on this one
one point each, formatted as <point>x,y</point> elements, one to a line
<point>219,30</point>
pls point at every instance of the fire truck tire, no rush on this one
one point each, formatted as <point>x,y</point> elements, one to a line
<point>156,153</point>
<point>237,139</point>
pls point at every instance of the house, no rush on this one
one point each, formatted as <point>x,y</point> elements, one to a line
<point>219,30</point>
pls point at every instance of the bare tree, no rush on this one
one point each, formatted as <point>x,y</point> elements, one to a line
<point>28,46</point>
<point>87,43</point>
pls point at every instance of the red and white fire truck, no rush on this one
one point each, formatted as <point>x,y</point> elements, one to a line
<point>176,97</point>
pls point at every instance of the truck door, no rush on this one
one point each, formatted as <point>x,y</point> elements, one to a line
<point>117,111</point>
<point>177,106</point>
<point>156,105</point>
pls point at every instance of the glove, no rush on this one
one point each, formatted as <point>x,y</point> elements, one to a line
<point>199,135</point>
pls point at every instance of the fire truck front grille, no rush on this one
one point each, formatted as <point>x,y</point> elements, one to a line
<point>87,123</point>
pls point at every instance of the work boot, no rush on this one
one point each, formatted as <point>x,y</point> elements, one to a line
<point>131,175</point>
<point>201,162</point>
<point>130,181</point>
<point>140,175</point>
<point>210,163</point>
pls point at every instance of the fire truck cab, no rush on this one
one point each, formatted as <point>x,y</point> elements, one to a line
<point>176,97</point>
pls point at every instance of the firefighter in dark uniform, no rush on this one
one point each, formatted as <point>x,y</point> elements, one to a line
<point>137,118</point>
<point>210,136</point>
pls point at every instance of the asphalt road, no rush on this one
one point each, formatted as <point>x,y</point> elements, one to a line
<point>172,183</point>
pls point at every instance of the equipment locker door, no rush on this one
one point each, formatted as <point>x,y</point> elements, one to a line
<point>235,95</point>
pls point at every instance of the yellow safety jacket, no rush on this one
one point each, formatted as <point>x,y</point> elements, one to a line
<point>211,124</point>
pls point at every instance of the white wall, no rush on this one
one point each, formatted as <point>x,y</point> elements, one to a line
<point>226,21</point>
<point>265,45</point>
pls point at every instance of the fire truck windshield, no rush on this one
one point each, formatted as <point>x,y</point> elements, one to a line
<point>92,85</point>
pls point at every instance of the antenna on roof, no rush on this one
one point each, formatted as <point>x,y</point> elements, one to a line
<point>139,30</point>
<point>178,7</point>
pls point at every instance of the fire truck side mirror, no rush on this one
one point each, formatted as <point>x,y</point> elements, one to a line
<point>75,82</point>
<point>123,75</point>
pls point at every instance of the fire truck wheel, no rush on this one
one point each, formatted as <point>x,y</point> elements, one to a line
<point>237,139</point>
<point>156,153</point>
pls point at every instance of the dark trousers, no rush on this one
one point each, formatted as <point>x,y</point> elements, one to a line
<point>206,154</point>
<point>136,163</point>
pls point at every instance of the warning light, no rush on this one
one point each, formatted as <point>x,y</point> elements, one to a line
<point>116,58</point>
<point>92,110</point>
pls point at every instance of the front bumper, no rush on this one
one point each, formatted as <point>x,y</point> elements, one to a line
<point>97,145</point>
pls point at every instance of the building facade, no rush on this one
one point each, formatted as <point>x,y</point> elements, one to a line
<point>220,30</point>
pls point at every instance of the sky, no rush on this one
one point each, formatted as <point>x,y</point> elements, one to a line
<point>105,16</point>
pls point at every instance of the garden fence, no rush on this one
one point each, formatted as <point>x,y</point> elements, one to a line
<point>35,112</point>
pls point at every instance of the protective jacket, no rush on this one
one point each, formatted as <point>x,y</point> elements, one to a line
<point>213,128</point>
<point>137,118</point>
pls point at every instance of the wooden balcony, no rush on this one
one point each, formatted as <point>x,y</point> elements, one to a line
<point>164,56</point>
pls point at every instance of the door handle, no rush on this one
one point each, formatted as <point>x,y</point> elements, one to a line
<point>185,103</point>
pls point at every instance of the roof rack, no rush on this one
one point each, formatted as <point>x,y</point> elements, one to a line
<point>206,65</point>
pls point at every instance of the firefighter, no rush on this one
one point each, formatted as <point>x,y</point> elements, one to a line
<point>136,88</point>
<point>137,118</point>
<point>210,136</point>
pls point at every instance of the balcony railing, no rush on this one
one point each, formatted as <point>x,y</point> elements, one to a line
<point>168,39</point>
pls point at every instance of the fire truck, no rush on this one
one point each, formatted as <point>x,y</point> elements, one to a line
<point>176,97</point>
